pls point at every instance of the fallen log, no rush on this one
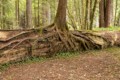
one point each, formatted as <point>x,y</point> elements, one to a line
<point>17,44</point>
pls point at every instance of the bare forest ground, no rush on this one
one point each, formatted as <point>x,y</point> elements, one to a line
<point>91,65</point>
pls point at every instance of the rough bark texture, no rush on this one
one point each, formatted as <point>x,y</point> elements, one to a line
<point>17,45</point>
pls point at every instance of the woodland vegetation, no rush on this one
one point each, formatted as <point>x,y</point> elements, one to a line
<point>81,14</point>
<point>45,27</point>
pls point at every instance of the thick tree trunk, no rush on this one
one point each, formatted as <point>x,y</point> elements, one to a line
<point>108,13</point>
<point>105,9</point>
<point>60,20</point>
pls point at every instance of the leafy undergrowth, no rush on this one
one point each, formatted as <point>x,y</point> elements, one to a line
<point>113,28</point>
<point>88,65</point>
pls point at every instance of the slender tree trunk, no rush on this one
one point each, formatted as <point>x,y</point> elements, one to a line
<point>92,15</point>
<point>101,14</point>
<point>35,15</point>
<point>3,14</point>
<point>118,20</point>
<point>86,14</point>
<point>46,13</point>
<point>38,13</point>
<point>116,6</point>
<point>0,14</point>
<point>17,12</point>
<point>29,13</point>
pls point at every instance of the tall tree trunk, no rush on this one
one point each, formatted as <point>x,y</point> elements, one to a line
<point>38,24</point>
<point>46,14</point>
<point>108,13</point>
<point>93,14</point>
<point>86,14</point>
<point>35,14</point>
<point>17,12</point>
<point>0,14</point>
<point>101,14</point>
<point>116,6</point>
<point>3,14</point>
<point>105,13</point>
<point>29,13</point>
<point>60,20</point>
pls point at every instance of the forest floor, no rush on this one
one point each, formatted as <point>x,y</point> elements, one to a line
<point>90,65</point>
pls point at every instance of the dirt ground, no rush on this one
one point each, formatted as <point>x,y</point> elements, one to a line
<point>95,65</point>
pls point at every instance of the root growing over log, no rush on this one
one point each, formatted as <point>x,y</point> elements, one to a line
<point>52,41</point>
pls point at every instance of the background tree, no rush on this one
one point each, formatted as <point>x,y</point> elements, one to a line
<point>29,13</point>
<point>81,14</point>
<point>105,9</point>
<point>17,12</point>
<point>46,13</point>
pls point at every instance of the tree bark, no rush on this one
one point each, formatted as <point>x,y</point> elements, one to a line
<point>105,12</point>
<point>101,14</point>
<point>108,13</point>
<point>38,24</point>
<point>17,12</point>
<point>0,14</point>
<point>92,14</point>
<point>29,13</point>
<point>60,19</point>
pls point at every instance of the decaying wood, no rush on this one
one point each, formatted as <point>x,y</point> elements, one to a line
<point>16,45</point>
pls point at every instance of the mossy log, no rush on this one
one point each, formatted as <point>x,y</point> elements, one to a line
<point>17,44</point>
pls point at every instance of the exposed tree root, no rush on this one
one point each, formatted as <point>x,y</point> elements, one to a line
<point>51,41</point>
